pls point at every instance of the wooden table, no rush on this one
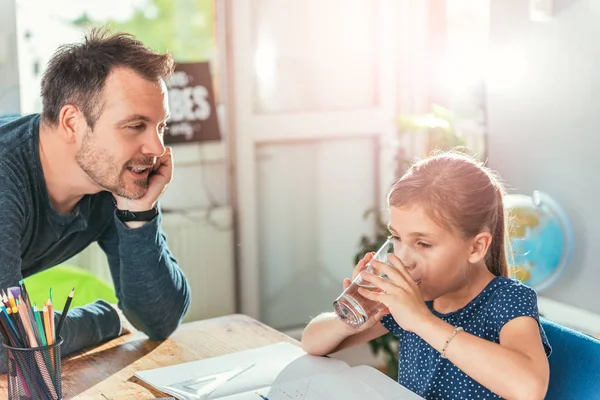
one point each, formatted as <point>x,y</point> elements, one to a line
<point>106,372</point>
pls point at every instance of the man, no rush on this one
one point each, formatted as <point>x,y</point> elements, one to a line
<point>91,168</point>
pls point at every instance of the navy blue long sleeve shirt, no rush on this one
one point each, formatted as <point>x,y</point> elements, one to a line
<point>151,289</point>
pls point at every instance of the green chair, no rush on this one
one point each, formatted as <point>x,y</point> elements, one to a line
<point>63,278</point>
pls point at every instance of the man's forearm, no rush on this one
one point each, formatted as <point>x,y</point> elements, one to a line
<point>88,326</point>
<point>153,292</point>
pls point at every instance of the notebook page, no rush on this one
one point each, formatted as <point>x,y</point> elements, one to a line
<point>361,382</point>
<point>305,366</point>
<point>356,383</point>
<point>263,366</point>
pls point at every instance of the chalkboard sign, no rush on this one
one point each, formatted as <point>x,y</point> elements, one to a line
<point>192,105</point>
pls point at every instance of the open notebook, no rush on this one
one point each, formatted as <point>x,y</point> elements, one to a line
<point>276,372</point>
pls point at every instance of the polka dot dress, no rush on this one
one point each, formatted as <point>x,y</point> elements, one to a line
<point>425,372</point>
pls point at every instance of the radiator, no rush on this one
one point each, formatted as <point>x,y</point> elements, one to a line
<point>202,243</point>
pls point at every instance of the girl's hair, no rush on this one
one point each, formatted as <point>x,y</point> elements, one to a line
<point>460,194</point>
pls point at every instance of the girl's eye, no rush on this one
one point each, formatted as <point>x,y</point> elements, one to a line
<point>137,127</point>
<point>395,238</point>
<point>424,245</point>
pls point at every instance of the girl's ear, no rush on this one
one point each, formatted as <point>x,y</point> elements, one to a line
<point>479,247</point>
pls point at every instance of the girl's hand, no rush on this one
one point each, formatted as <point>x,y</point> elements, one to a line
<point>401,295</point>
<point>360,268</point>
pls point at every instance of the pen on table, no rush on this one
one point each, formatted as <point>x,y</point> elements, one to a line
<point>64,312</point>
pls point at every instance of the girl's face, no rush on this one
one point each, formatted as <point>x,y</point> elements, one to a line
<point>436,258</point>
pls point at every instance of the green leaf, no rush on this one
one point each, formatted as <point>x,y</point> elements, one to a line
<point>443,113</point>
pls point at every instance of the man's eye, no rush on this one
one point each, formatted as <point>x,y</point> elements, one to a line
<point>138,127</point>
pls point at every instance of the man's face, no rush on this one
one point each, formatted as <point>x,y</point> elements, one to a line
<point>121,150</point>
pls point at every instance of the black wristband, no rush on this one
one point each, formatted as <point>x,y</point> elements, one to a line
<point>130,216</point>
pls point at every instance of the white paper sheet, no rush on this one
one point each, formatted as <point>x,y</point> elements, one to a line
<point>277,372</point>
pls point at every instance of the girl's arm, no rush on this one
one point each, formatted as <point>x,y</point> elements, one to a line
<point>517,368</point>
<point>327,334</point>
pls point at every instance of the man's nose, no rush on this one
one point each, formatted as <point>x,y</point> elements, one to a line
<point>153,145</point>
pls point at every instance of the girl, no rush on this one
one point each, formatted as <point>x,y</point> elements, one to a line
<point>466,330</point>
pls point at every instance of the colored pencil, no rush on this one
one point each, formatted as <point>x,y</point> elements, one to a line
<point>64,311</point>
<point>5,299</point>
<point>22,336</point>
<point>7,333</point>
<point>25,296</point>
<point>51,318</point>
<point>13,323</point>
<point>39,325</point>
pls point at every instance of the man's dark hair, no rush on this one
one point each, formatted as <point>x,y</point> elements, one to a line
<point>76,74</point>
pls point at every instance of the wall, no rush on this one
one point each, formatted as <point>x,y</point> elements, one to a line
<point>544,121</point>
<point>9,72</point>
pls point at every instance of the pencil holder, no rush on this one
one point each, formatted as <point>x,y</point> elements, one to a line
<point>34,373</point>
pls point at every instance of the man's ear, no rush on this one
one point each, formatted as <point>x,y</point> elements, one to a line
<point>480,245</point>
<point>68,120</point>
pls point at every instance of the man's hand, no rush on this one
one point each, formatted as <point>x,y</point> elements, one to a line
<point>126,327</point>
<point>159,178</point>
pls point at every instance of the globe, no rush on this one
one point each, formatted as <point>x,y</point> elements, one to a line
<point>540,237</point>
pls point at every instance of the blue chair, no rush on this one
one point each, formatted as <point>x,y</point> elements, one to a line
<point>574,364</point>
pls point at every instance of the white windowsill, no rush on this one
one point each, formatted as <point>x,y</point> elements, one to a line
<point>570,316</point>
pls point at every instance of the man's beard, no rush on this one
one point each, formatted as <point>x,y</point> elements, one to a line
<point>102,168</point>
